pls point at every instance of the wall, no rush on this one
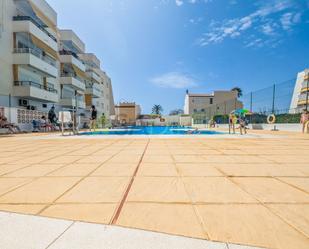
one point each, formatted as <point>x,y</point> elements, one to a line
<point>297,90</point>
<point>6,46</point>
<point>269,127</point>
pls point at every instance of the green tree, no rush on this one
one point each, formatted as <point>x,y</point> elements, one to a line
<point>238,90</point>
<point>103,120</point>
<point>157,109</point>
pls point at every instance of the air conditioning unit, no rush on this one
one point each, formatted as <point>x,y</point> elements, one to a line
<point>23,102</point>
<point>31,107</point>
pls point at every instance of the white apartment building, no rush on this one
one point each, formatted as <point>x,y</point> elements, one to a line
<point>72,71</point>
<point>42,66</point>
<point>28,58</point>
<point>219,102</point>
<point>98,84</point>
<point>301,91</point>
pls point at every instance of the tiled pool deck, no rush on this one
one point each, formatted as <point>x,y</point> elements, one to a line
<point>252,191</point>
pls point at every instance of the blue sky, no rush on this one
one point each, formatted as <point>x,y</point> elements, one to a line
<point>156,49</point>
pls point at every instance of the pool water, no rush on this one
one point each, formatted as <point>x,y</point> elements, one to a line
<point>153,130</point>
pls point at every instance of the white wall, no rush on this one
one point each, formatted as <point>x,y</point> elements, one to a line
<point>6,46</point>
<point>268,127</point>
<point>297,90</point>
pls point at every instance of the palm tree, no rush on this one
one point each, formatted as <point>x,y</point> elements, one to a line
<point>238,90</point>
<point>157,109</point>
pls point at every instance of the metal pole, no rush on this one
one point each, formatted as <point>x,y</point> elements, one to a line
<point>274,93</point>
<point>307,92</point>
<point>74,114</point>
<point>251,106</point>
<point>10,106</point>
<point>251,102</point>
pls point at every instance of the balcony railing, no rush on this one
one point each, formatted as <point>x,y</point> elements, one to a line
<point>34,84</point>
<point>36,53</point>
<point>66,52</point>
<point>73,75</point>
<point>28,18</point>
<point>92,71</point>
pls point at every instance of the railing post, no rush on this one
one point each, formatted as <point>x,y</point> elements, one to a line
<point>274,94</point>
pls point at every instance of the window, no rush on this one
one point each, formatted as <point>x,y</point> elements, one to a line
<point>211,101</point>
<point>202,110</point>
<point>194,110</point>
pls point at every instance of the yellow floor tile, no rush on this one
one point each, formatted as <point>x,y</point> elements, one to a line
<point>271,190</point>
<point>215,190</point>
<point>295,214</point>
<point>115,169</point>
<point>23,209</point>
<point>97,189</point>
<point>158,189</point>
<point>159,170</point>
<point>98,213</point>
<point>43,190</point>
<point>7,168</point>
<point>35,170</point>
<point>258,170</point>
<point>197,169</point>
<point>157,159</point>
<point>301,183</point>
<point>166,218</point>
<point>75,170</point>
<point>7,184</point>
<point>93,159</point>
<point>250,225</point>
<point>62,160</point>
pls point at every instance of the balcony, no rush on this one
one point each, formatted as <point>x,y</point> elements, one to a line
<point>94,91</point>
<point>302,99</point>
<point>71,58</point>
<point>28,25</point>
<point>305,86</point>
<point>93,75</point>
<point>34,58</point>
<point>33,90</point>
<point>74,81</point>
<point>71,102</point>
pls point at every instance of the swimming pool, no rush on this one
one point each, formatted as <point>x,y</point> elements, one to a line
<point>152,130</point>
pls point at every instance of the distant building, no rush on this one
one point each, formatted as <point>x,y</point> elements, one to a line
<point>126,113</point>
<point>300,92</point>
<point>219,102</point>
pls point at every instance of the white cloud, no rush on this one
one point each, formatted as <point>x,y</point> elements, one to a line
<point>263,19</point>
<point>268,29</point>
<point>174,80</point>
<point>289,19</point>
<point>179,2</point>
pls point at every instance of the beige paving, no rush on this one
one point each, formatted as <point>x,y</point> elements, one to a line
<point>167,218</point>
<point>98,213</point>
<point>251,191</point>
<point>251,224</point>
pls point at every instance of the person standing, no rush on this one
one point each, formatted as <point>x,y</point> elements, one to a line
<point>52,116</point>
<point>93,118</point>
<point>232,123</point>
<point>304,120</point>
